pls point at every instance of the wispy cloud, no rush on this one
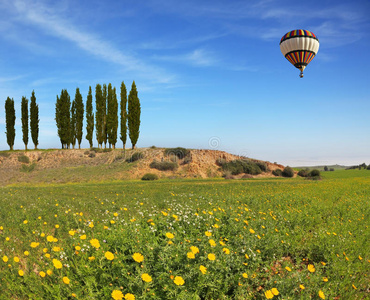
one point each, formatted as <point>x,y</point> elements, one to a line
<point>197,57</point>
<point>46,18</point>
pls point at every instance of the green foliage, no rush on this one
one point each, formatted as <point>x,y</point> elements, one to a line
<point>179,152</point>
<point>73,124</point>
<point>89,118</point>
<point>135,157</point>
<point>123,114</point>
<point>314,173</point>
<point>28,168</point>
<point>303,173</point>
<point>288,172</point>
<point>277,172</point>
<point>99,114</point>
<point>112,116</point>
<point>23,159</point>
<point>34,120</point>
<point>10,122</point>
<point>262,166</point>
<point>79,117</point>
<point>104,114</point>
<point>24,107</point>
<point>63,118</point>
<point>263,233</point>
<point>164,165</point>
<point>134,111</point>
<point>149,176</point>
<point>368,167</point>
<point>239,166</point>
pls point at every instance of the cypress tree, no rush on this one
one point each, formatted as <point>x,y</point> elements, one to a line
<point>10,122</point>
<point>104,114</point>
<point>73,124</point>
<point>89,118</point>
<point>123,114</point>
<point>99,114</point>
<point>25,121</point>
<point>63,118</point>
<point>79,116</point>
<point>134,111</point>
<point>34,120</point>
<point>112,116</point>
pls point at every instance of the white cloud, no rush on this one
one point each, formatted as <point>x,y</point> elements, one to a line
<point>48,19</point>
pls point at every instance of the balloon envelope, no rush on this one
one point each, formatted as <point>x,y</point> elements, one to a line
<point>299,47</point>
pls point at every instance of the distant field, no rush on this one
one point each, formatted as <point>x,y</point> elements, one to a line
<point>198,239</point>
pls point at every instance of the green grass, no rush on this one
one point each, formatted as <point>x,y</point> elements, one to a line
<point>264,235</point>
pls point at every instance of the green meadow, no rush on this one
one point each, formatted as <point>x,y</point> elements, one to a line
<point>188,239</point>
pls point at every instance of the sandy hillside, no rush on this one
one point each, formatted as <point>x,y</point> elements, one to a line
<point>93,165</point>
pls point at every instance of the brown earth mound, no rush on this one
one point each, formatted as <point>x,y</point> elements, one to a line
<point>54,166</point>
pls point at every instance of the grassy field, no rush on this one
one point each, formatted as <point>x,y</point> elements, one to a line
<point>188,239</point>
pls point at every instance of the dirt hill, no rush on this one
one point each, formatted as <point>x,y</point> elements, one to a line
<point>61,166</point>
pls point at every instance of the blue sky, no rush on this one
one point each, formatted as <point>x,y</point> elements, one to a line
<point>209,74</point>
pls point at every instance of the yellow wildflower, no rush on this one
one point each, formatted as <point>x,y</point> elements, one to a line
<point>95,243</point>
<point>146,277</point>
<point>194,249</point>
<point>57,264</point>
<point>117,295</point>
<point>109,255</point>
<point>129,296</point>
<point>66,280</point>
<point>179,280</point>
<point>269,294</point>
<point>321,294</point>
<point>211,256</point>
<point>311,268</point>
<point>169,235</point>
<point>203,269</point>
<point>138,257</point>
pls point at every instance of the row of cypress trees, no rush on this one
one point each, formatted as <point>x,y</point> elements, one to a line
<point>29,116</point>
<point>69,116</point>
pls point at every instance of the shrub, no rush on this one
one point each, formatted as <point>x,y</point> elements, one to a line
<point>23,159</point>
<point>277,172</point>
<point>28,168</point>
<point>303,173</point>
<point>187,160</point>
<point>368,167</point>
<point>180,152</point>
<point>262,166</point>
<point>4,154</point>
<point>314,173</point>
<point>239,166</point>
<point>220,162</point>
<point>136,156</point>
<point>163,165</point>
<point>288,172</point>
<point>149,176</point>
<point>92,154</point>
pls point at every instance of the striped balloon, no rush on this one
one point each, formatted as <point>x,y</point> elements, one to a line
<point>299,47</point>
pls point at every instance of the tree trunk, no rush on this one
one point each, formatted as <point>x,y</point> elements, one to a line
<point>133,146</point>
<point>25,147</point>
<point>113,147</point>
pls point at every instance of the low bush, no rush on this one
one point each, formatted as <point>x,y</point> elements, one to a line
<point>149,176</point>
<point>164,165</point>
<point>92,154</point>
<point>277,172</point>
<point>4,154</point>
<point>179,152</point>
<point>303,173</point>
<point>23,159</point>
<point>288,172</point>
<point>262,166</point>
<point>239,166</point>
<point>314,173</point>
<point>28,168</point>
<point>135,157</point>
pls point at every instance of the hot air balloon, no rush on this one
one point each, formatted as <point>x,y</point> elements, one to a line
<point>299,47</point>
